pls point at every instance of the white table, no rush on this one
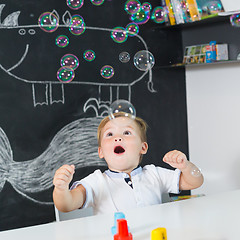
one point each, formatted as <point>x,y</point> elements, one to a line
<point>215,217</point>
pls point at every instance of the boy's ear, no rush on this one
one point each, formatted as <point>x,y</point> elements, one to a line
<point>144,148</point>
<point>100,153</point>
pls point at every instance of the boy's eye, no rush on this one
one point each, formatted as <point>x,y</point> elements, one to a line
<point>126,133</point>
<point>109,134</point>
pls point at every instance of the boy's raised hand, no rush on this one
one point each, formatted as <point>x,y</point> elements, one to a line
<point>176,159</point>
<point>63,176</point>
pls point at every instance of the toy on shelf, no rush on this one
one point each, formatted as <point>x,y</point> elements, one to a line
<point>159,234</point>
<point>122,231</point>
<point>117,215</point>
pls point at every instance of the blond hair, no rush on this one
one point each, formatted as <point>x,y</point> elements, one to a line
<point>142,125</point>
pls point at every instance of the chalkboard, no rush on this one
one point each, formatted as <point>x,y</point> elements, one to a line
<point>45,122</point>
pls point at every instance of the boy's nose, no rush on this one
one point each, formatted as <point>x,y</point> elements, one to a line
<point>118,139</point>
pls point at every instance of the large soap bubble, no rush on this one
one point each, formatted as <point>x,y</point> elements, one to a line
<point>141,17</point>
<point>132,6</point>
<point>70,60</point>
<point>132,29</point>
<point>146,6</point>
<point>75,4</point>
<point>159,15</point>
<point>89,55</point>
<point>119,34</point>
<point>62,41</point>
<point>235,20</point>
<point>107,71</point>
<point>196,172</point>
<point>48,22</point>
<point>65,74</point>
<point>97,2</point>
<point>213,7</point>
<point>77,25</point>
<point>124,57</point>
<point>122,106</point>
<point>143,60</point>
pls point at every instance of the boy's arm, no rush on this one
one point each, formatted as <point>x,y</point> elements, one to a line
<point>64,199</point>
<point>191,177</point>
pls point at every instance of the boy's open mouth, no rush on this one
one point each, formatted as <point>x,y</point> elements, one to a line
<point>119,150</point>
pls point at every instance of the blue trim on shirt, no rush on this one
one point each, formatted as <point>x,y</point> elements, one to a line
<point>113,174</point>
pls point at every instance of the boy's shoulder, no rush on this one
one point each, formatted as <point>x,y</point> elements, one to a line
<point>96,173</point>
<point>150,167</point>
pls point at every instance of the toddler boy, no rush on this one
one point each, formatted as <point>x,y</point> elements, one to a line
<point>125,185</point>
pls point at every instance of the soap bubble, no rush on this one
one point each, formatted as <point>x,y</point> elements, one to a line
<point>62,41</point>
<point>132,29</point>
<point>132,6</point>
<point>70,60</point>
<point>214,7</point>
<point>158,15</point>
<point>77,25</point>
<point>119,35</point>
<point>124,57</point>
<point>140,17</point>
<point>48,22</point>
<point>196,172</point>
<point>75,4</point>
<point>235,20</point>
<point>107,71</point>
<point>97,2</point>
<point>146,6</point>
<point>65,74</point>
<point>143,60</point>
<point>89,55</point>
<point>124,106</point>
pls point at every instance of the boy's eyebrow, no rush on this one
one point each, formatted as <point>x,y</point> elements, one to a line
<point>104,130</point>
<point>130,127</point>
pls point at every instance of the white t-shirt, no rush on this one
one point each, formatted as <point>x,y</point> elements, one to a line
<point>109,192</point>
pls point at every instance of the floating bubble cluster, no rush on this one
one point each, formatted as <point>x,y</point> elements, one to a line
<point>77,25</point>
<point>119,34</point>
<point>89,55</point>
<point>124,106</point>
<point>235,20</point>
<point>65,74</point>
<point>107,71</point>
<point>75,4</point>
<point>124,57</point>
<point>159,15</point>
<point>97,2</point>
<point>132,29</point>
<point>132,6</point>
<point>140,14</point>
<point>62,41</point>
<point>48,22</point>
<point>70,60</point>
<point>144,60</point>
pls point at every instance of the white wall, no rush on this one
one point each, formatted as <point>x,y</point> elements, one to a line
<point>231,5</point>
<point>213,104</point>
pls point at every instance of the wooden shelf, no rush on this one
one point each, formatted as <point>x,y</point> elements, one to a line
<point>208,20</point>
<point>180,65</point>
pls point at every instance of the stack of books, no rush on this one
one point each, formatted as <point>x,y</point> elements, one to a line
<point>185,11</point>
<point>205,53</point>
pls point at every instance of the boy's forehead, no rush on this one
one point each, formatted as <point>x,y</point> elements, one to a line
<point>121,122</point>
